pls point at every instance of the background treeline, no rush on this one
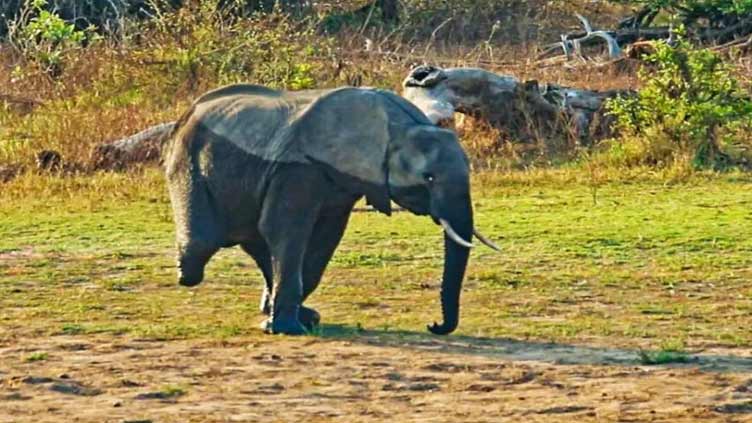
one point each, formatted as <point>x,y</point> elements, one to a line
<point>108,13</point>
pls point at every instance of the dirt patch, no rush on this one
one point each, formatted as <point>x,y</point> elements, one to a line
<point>15,255</point>
<point>285,379</point>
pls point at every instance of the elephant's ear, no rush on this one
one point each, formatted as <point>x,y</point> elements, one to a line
<point>347,132</point>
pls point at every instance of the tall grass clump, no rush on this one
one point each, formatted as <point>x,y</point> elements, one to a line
<point>88,89</point>
<point>691,112</point>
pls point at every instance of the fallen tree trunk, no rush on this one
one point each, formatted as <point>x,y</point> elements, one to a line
<point>143,147</point>
<point>522,111</point>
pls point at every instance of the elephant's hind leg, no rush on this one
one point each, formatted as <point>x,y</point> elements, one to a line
<point>197,229</point>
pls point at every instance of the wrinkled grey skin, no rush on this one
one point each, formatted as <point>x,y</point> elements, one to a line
<point>278,173</point>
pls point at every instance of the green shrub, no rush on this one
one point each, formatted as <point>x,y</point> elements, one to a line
<point>204,42</point>
<point>690,107</point>
<point>696,9</point>
<point>44,37</point>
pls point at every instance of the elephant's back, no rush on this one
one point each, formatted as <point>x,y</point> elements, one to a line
<point>254,124</point>
<point>254,120</point>
<point>238,89</point>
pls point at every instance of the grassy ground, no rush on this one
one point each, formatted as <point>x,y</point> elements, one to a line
<point>626,303</point>
<point>643,264</point>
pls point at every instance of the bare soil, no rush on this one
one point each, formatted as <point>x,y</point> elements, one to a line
<point>368,378</point>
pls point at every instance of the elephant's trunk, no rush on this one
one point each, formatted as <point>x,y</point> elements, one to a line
<point>455,262</point>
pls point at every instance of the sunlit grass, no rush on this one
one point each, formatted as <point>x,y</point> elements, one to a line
<point>647,262</point>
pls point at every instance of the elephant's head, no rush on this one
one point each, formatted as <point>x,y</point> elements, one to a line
<point>406,159</point>
<point>429,175</point>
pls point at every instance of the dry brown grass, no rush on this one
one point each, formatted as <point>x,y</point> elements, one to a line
<point>110,90</point>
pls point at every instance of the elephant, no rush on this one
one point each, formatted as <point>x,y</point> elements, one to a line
<point>278,173</point>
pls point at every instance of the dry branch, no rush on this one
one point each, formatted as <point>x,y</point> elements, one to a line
<point>635,30</point>
<point>19,100</point>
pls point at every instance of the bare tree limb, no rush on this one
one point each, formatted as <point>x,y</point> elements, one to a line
<point>19,100</point>
<point>142,147</point>
<point>523,111</point>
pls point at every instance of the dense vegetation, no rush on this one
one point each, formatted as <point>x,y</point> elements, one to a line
<point>690,107</point>
<point>75,74</point>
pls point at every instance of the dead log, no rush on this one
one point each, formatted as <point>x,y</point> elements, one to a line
<point>20,104</point>
<point>9,172</point>
<point>143,147</point>
<point>522,111</point>
<point>19,100</point>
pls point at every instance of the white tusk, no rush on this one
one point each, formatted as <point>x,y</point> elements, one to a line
<point>453,235</point>
<point>486,241</point>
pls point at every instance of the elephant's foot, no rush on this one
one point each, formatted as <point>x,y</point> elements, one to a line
<point>308,317</point>
<point>283,327</point>
<point>190,271</point>
<point>286,320</point>
<point>307,320</point>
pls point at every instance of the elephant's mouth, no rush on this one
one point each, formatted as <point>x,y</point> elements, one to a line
<point>413,199</point>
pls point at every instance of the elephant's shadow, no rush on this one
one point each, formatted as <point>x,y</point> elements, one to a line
<point>517,350</point>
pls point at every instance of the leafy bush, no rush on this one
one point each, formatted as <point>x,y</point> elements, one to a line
<point>696,8</point>
<point>690,107</point>
<point>203,41</point>
<point>44,37</point>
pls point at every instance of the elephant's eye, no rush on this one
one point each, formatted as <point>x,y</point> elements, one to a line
<point>428,177</point>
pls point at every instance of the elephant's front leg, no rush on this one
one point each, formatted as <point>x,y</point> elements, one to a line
<point>287,291</point>
<point>323,241</point>
<point>287,226</point>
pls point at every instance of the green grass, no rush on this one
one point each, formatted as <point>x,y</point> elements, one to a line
<point>648,263</point>
<point>662,357</point>
<point>671,351</point>
<point>173,391</point>
<point>37,356</point>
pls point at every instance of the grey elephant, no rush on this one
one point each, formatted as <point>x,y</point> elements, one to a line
<point>278,173</point>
